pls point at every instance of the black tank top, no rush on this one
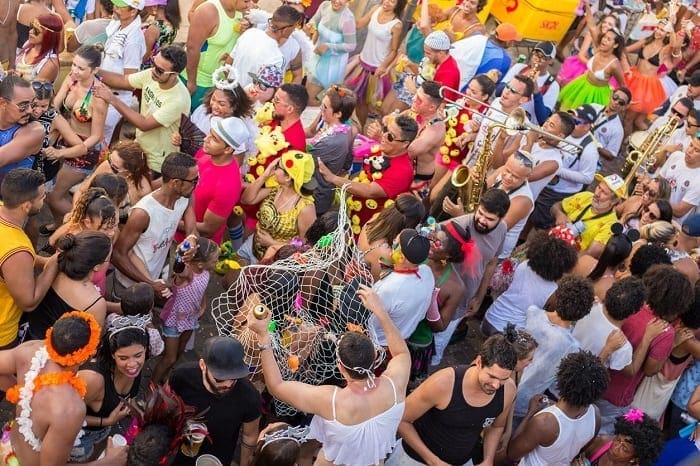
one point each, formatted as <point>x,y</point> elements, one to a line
<point>49,310</point>
<point>453,432</point>
<point>111,398</point>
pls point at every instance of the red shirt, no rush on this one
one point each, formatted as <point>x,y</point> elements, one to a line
<point>621,388</point>
<point>394,180</point>
<point>447,74</point>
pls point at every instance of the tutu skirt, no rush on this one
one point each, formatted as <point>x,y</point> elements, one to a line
<point>571,68</point>
<point>360,79</point>
<point>581,91</point>
<point>647,91</point>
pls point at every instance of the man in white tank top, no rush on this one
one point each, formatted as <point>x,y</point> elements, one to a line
<point>142,248</point>
<point>553,434</point>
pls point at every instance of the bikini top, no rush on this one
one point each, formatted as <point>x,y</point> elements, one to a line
<point>82,113</point>
<point>654,59</point>
<point>599,74</point>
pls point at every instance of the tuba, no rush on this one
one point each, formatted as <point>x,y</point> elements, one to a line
<point>645,156</point>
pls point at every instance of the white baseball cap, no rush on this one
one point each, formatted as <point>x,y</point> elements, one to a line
<point>137,4</point>
<point>232,130</point>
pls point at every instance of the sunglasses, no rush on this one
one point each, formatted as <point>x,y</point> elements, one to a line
<point>194,180</point>
<point>36,30</point>
<point>161,71</point>
<point>524,159</point>
<point>390,137</point>
<point>511,89</point>
<point>261,85</point>
<point>42,86</point>
<point>275,29</point>
<point>651,214</point>
<point>22,106</point>
<point>620,100</point>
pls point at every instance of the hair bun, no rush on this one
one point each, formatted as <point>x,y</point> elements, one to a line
<point>616,228</point>
<point>510,332</point>
<point>66,242</point>
<point>633,235</point>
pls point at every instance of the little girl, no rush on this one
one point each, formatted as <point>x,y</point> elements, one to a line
<point>183,310</point>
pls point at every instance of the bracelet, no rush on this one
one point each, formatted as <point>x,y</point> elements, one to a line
<point>676,55</point>
<point>100,421</point>
<point>264,347</point>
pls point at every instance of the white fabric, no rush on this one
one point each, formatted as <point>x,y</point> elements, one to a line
<point>89,9</point>
<point>290,49</point>
<point>573,435</point>
<point>527,289</point>
<point>360,444</point>
<point>493,115</point>
<point>254,49</point>
<point>549,98</point>
<point>378,40</point>
<point>681,91</point>
<point>468,53</point>
<point>514,233</point>
<point>609,133</point>
<point>153,245</point>
<point>541,155</point>
<point>593,330</point>
<point>554,343</point>
<point>406,298</point>
<point>575,174</point>
<point>201,119</point>
<point>684,181</point>
<point>442,339</point>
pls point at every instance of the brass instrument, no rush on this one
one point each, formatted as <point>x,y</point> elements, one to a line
<point>645,155</point>
<point>463,184</point>
<point>534,72</point>
<point>516,122</point>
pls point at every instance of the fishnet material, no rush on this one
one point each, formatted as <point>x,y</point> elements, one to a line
<point>312,298</point>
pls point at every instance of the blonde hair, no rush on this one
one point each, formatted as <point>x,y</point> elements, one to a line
<point>659,232</point>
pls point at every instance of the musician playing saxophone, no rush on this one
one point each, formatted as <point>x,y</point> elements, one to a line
<point>546,90</point>
<point>679,140</point>
<point>511,178</point>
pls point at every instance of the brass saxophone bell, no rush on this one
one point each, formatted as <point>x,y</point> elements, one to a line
<point>260,311</point>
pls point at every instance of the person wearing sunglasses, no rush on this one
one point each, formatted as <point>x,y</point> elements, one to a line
<point>38,58</point>
<point>686,129</point>
<point>684,169</point>
<point>219,381</point>
<point>370,191</point>
<point>609,131</point>
<point>258,47</point>
<point>635,210</point>
<point>164,101</point>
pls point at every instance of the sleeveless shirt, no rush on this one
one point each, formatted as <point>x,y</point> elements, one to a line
<point>111,397</point>
<point>453,432</point>
<point>215,46</point>
<point>6,136</point>
<point>14,240</point>
<point>360,444</point>
<point>378,40</point>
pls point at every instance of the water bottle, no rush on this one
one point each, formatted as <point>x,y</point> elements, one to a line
<point>179,264</point>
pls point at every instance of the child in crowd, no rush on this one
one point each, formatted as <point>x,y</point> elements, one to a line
<point>183,310</point>
<point>137,300</point>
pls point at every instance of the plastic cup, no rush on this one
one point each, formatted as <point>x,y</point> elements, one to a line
<point>196,433</point>
<point>118,440</point>
<point>208,460</point>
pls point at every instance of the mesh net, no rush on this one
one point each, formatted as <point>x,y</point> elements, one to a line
<point>312,299</point>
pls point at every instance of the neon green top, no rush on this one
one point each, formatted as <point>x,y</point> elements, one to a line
<point>220,43</point>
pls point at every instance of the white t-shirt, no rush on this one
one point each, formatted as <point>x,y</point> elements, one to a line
<point>406,297</point>
<point>549,98</point>
<point>593,330</point>
<point>684,181</point>
<point>527,289</point>
<point>576,172</point>
<point>608,130</point>
<point>542,155</point>
<point>254,49</point>
<point>124,49</point>
<point>493,115</point>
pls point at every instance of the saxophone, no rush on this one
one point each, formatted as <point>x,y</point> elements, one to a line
<point>463,184</point>
<point>645,156</point>
<point>534,72</point>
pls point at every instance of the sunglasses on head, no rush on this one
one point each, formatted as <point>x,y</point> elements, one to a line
<point>524,159</point>
<point>390,137</point>
<point>42,86</point>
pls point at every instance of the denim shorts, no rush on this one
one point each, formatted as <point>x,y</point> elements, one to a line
<point>85,449</point>
<point>173,332</point>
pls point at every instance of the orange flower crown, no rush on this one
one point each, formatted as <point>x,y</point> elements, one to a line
<point>83,354</point>
<point>52,378</point>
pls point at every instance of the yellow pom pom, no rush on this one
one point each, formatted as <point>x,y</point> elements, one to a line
<point>259,170</point>
<point>355,220</point>
<point>444,150</point>
<point>464,118</point>
<point>357,205</point>
<point>454,152</point>
<point>375,149</point>
<point>377,176</point>
<point>356,229</point>
<point>389,203</point>
<point>451,133</point>
<point>446,159</point>
<point>249,178</point>
<point>238,211</point>
<point>371,204</point>
<point>252,161</point>
<point>262,158</point>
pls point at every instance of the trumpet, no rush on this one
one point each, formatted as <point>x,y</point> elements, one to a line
<point>516,122</point>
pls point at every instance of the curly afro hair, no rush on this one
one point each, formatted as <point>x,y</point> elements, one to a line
<point>573,298</point>
<point>646,437</point>
<point>581,378</point>
<point>669,292</point>
<point>550,257</point>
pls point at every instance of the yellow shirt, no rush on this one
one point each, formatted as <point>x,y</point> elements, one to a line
<point>167,107</point>
<point>597,228</point>
<point>14,240</point>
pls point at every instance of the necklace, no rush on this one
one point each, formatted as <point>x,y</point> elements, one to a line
<point>286,204</point>
<point>7,15</point>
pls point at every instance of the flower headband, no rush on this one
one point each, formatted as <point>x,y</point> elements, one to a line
<point>225,78</point>
<point>124,322</point>
<point>298,434</point>
<point>80,355</point>
<point>634,416</point>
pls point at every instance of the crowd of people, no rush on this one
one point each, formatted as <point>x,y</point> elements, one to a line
<point>551,203</point>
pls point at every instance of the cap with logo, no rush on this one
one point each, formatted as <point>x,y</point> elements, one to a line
<point>615,183</point>
<point>585,112</point>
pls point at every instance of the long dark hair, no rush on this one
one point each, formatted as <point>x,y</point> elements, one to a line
<point>616,251</point>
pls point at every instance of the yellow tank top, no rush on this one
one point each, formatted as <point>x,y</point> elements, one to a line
<point>282,226</point>
<point>220,43</point>
<point>14,240</point>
